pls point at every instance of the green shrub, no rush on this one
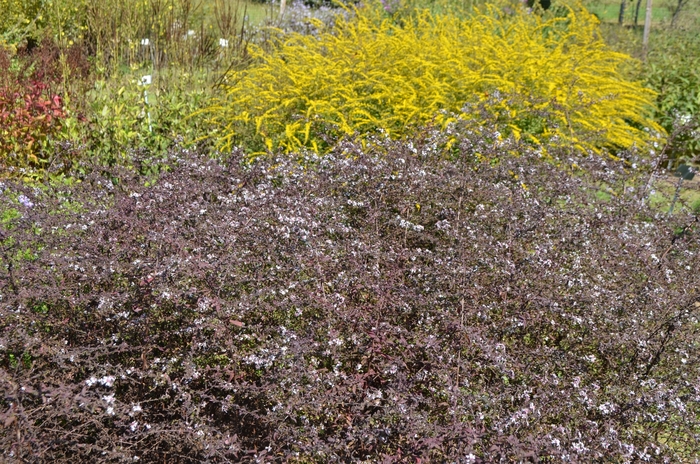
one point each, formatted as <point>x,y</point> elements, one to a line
<point>695,206</point>
<point>673,70</point>
<point>547,78</point>
<point>118,121</point>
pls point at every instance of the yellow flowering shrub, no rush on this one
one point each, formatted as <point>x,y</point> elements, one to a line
<point>553,79</point>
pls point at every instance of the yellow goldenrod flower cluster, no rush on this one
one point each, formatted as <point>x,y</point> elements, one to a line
<point>547,79</point>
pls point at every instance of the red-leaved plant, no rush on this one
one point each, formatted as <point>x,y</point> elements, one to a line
<point>32,107</point>
<point>28,116</point>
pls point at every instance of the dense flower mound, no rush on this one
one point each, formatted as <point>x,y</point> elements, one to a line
<point>354,307</point>
<point>554,80</point>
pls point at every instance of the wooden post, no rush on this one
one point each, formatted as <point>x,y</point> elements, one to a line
<point>621,17</point>
<point>647,29</point>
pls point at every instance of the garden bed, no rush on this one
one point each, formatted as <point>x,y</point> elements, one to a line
<point>353,307</point>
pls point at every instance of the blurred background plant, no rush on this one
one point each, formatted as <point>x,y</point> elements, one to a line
<point>91,58</point>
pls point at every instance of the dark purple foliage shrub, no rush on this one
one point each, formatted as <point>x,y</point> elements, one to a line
<point>388,306</point>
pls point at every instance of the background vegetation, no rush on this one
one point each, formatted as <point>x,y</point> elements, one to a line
<point>93,59</point>
<point>670,67</point>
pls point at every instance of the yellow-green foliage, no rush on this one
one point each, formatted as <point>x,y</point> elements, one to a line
<point>16,15</point>
<point>10,10</point>
<point>553,77</point>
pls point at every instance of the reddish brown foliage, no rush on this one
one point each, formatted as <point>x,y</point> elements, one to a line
<point>386,309</point>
